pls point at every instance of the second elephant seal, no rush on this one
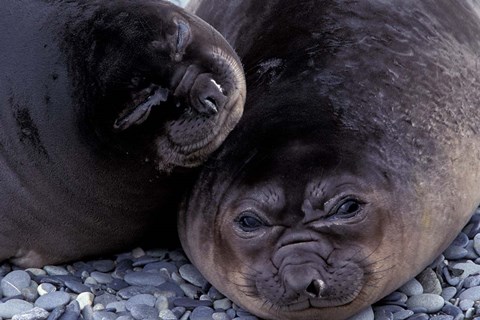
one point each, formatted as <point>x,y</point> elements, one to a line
<point>98,99</point>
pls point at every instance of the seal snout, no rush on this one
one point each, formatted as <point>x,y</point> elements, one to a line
<point>210,98</point>
<point>305,282</point>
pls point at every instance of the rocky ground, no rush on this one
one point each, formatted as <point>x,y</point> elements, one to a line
<point>161,284</point>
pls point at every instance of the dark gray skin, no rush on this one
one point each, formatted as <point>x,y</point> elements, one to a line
<point>357,160</point>
<point>98,101</point>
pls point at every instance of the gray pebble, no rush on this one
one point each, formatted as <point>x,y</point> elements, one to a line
<point>13,283</point>
<point>117,284</point>
<point>476,243</point>
<point>220,316</point>
<point>451,310</point>
<point>431,302</point>
<point>101,277</point>
<point>103,265</point>
<point>442,317</point>
<point>223,304</point>
<point>429,281</point>
<point>76,286</point>
<point>30,294</point>
<point>167,315</point>
<point>162,303</point>
<point>215,294</point>
<point>411,288</point>
<point>192,275</point>
<point>178,311</point>
<point>419,316</point>
<point>33,314</point>
<point>465,304</point>
<point>125,318</point>
<point>141,311</point>
<point>190,290</point>
<point>186,315</point>
<point>461,240</point>
<point>471,293</point>
<point>142,261</point>
<point>87,312</point>
<point>468,268</point>
<point>201,313</point>
<point>143,278</point>
<point>56,271</point>
<point>14,306</point>
<point>118,306</point>
<point>402,315</point>
<point>454,252</point>
<point>365,314</point>
<point>104,315</point>
<point>395,296</point>
<point>472,254</point>
<point>232,313</point>
<point>105,299</point>
<point>56,313</point>
<point>170,267</point>
<point>145,299</point>
<point>472,281</point>
<point>448,293</point>
<point>52,300</point>
<point>72,311</point>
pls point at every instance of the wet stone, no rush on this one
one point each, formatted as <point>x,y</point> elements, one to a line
<point>143,278</point>
<point>192,275</point>
<point>52,300</point>
<point>13,283</point>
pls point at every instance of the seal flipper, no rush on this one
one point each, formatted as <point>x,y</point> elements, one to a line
<point>140,113</point>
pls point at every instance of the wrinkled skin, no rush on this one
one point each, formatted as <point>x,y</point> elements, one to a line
<point>357,160</point>
<point>99,100</point>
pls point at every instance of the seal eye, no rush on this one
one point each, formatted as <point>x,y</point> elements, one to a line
<point>348,208</point>
<point>249,222</point>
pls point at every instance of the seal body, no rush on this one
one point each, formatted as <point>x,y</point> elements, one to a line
<point>357,160</point>
<point>95,97</point>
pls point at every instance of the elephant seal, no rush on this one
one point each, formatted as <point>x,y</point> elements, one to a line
<point>357,159</point>
<point>103,107</point>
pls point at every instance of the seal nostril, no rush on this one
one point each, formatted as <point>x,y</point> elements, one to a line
<point>210,106</point>
<point>315,288</point>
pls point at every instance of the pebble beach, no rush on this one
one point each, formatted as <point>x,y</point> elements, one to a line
<point>162,284</point>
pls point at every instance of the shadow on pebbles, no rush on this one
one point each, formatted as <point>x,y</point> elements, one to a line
<point>161,284</point>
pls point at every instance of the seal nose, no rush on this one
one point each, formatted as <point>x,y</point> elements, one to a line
<point>305,282</point>
<point>207,95</point>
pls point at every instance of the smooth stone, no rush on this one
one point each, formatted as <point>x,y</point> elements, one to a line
<point>177,278</point>
<point>411,288</point>
<point>30,294</point>
<point>169,287</point>
<point>451,310</point>
<point>76,286</point>
<point>448,293</point>
<point>429,281</point>
<point>143,278</point>
<point>402,315</point>
<point>455,252</point>
<point>101,277</point>
<point>466,304</point>
<point>395,297</point>
<point>117,284</point>
<point>33,314</point>
<point>105,299</point>
<point>476,243</point>
<point>223,304</point>
<point>383,315</point>
<point>128,292</point>
<point>472,281</point>
<point>157,266</point>
<point>468,268</point>
<point>85,299</point>
<point>191,303</point>
<point>232,313</point>
<point>125,318</point>
<point>72,311</point>
<point>388,308</point>
<point>56,313</point>
<point>220,316</point>
<point>142,261</point>
<point>36,271</point>
<point>118,306</point>
<point>472,254</point>
<point>104,315</point>
<point>167,315</point>
<point>14,306</point>
<point>215,294</point>
<point>202,313</point>
<point>178,311</point>
<point>81,267</point>
<point>89,281</point>
<point>52,300</point>
<point>137,253</point>
<point>451,280</point>
<point>192,275</point>
<point>419,316</point>
<point>13,283</point>
<point>365,314</point>
<point>471,293</point>
<point>190,290</point>
<point>87,313</point>
<point>431,302</point>
<point>145,299</point>
<point>461,240</point>
<point>103,265</point>
<point>186,315</point>
<point>141,311</point>
<point>56,271</point>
